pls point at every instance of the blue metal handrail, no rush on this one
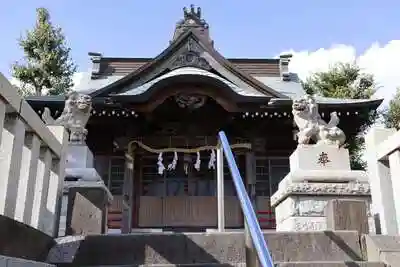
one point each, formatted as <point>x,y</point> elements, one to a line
<point>256,234</point>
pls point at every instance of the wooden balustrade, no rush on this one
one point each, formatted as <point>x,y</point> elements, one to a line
<point>32,163</point>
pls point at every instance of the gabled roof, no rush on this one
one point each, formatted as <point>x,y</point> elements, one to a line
<point>209,59</point>
<point>191,71</point>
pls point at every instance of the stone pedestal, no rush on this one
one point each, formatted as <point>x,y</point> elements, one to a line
<point>79,156</point>
<point>85,196</point>
<point>318,174</point>
<point>87,210</point>
<point>80,164</point>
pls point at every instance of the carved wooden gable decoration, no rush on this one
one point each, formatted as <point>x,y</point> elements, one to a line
<point>190,56</point>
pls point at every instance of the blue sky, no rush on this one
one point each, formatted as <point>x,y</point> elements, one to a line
<point>252,28</point>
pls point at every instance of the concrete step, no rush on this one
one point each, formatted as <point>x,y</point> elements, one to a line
<point>203,248</point>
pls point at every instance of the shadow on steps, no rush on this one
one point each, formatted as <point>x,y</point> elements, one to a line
<point>22,241</point>
<point>208,248</point>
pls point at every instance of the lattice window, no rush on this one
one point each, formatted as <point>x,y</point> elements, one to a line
<point>152,182</point>
<point>262,177</point>
<point>269,172</point>
<point>229,187</point>
<point>116,178</point>
<point>101,164</point>
<point>278,169</point>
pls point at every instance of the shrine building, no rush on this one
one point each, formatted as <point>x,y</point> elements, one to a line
<point>165,112</point>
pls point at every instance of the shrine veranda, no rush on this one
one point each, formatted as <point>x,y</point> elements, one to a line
<point>164,113</point>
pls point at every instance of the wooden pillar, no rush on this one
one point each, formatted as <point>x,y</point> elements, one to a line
<point>137,191</point>
<point>251,177</point>
<point>220,189</point>
<point>127,200</point>
<point>250,250</point>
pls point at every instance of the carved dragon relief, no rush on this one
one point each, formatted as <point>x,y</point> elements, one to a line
<point>312,126</point>
<point>190,101</point>
<point>74,117</point>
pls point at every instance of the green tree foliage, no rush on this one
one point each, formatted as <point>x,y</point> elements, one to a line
<point>24,90</point>
<point>47,67</point>
<point>345,80</point>
<point>392,114</point>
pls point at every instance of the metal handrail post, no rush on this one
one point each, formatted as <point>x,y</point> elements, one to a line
<point>251,252</point>
<point>220,189</point>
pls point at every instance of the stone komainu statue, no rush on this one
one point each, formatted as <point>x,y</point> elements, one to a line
<point>74,117</point>
<point>312,126</point>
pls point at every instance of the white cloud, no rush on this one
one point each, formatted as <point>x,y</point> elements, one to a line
<point>76,78</point>
<point>15,81</point>
<point>383,61</point>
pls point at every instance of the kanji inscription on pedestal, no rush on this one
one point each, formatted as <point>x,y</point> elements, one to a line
<point>323,159</point>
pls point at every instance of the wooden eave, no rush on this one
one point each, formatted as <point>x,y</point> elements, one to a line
<point>252,103</point>
<point>372,104</point>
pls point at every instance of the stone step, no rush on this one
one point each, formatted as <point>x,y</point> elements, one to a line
<point>330,264</point>
<point>175,265</point>
<point>188,248</point>
<point>383,248</point>
<point>281,264</point>
<point>20,240</point>
<point>17,262</point>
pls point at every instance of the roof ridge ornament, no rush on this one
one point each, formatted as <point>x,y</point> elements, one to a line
<point>192,13</point>
<point>192,20</point>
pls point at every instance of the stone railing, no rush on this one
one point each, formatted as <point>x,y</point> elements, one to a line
<point>383,155</point>
<point>32,163</point>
